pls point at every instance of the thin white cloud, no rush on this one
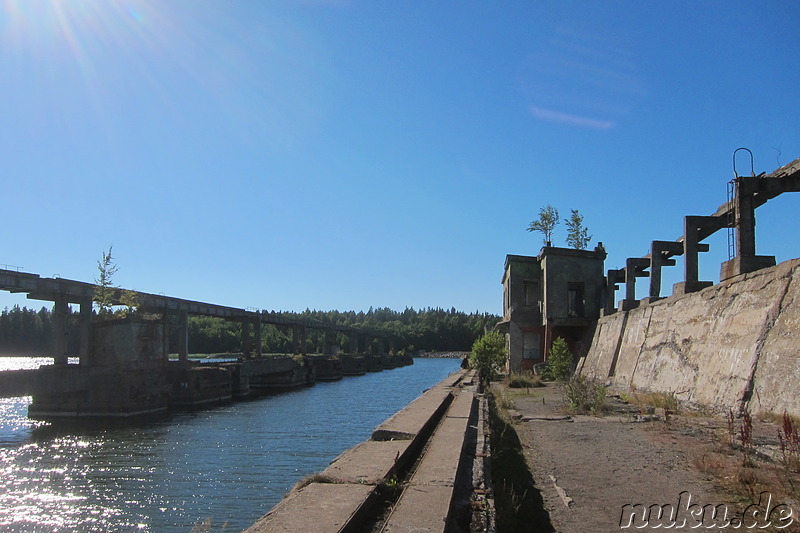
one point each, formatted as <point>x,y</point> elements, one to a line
<point>550,115</point>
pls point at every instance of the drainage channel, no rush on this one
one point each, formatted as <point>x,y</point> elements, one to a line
<point>376,509</point>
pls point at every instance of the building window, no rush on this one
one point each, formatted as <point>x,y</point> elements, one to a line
<point>530,345</point>
<point>576,305</point>
<point>531,289</point>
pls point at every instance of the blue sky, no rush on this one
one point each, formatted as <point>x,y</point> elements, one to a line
<point>342,154</point>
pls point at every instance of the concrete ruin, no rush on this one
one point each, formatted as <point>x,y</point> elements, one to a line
<point>124,369</point>
<point>727,346</point>
<point>734,345</point>
<point>558,293</point>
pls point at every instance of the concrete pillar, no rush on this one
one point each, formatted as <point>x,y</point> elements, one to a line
<point>660,251</point>
<point>365,341</point>
<point>60,330</point>
<point>744,209</point>
<point>695,229</point>
<point>329,342</point>
<point>247,341</point>
<point>614,277</point>
<point>183,336</point>
<point>85,353</point>
<point>692,246</point>
<point>299,339</point>
<point>165,336</point>
<point>353,342</point>
<point>745,218</point>
<point>257,325</point>
<point>634,268</point>
<point>381,346</point>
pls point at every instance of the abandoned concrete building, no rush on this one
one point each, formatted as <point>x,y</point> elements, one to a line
<point>558,293</point>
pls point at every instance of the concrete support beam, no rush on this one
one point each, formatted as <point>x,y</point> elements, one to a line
<point>330,342</point>
<point>635,267</point>
<point>299,339</point>
<point>746,199</point>
<point>258,327</point>
<point>365,341</point>
<point>696,228</point>
<point>613,279</point>
<point>60,330</point>
<point>381,346</point>
<point>165,336</point>
<point>85,352</point>
<point>247,341</point>
<point>660,254</point>
<point>183,336</point>
<point>353,342</point>
<point>745,216</point>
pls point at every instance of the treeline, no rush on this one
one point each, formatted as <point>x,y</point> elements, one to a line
<point>25,331</point>
<point>29,332</point>
<point>427,329</point>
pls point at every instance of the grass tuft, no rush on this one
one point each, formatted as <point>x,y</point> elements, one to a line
<point>524,380</point>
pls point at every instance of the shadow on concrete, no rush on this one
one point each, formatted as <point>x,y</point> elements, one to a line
<point>518,500</point>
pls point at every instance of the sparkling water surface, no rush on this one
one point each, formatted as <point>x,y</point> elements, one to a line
<point>229,464</point>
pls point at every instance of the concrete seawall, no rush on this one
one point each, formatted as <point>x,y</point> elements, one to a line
<point>415,472</point>
<point>733,345</point>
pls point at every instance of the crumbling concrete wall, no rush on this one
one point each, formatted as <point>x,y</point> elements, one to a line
<point>733,345</point>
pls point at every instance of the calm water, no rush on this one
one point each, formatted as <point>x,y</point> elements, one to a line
<point>230,464</point>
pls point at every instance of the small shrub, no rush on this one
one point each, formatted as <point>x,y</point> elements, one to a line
<point>789,439</point>
<point>585,396</point>
<point>488,355</point>
<point>731,420</point>
<point>665,400</point>
<point>559,361</point>
<point>524,380</point>
<point>390,489</point>
<point>502,399</point>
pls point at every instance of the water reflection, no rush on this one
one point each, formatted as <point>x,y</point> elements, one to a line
<point>231,463</point>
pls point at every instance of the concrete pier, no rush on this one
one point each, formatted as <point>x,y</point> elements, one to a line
<point>197,386</point>
<point>327,368</point>
<point>353,493</point>
<point>132,353</point>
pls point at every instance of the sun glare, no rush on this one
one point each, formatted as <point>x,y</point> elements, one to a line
<point>74,33</point>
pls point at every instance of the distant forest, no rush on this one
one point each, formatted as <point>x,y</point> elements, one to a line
<point>30,332</point>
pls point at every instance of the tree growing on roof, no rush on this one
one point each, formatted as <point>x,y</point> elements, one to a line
<point>577,234</point>
<point>546,223</point>
<point>104,289</point>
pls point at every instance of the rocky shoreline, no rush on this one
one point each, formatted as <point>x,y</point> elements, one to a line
<point>444,355</point>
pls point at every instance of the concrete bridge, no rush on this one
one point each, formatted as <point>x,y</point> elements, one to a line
<point>124,368</point>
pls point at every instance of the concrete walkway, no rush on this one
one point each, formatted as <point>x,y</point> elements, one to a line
<point>588,468</point>
<point>360,490</point>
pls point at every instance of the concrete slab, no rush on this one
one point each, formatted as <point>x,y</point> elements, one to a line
<point>439,465</point>
<point>421,508</point>
<point>407,423</point>
<point>369,462</point>
<point>425,503</point>
<point>316,508</point>
<point>462,405</point>
<point>454,379</point>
